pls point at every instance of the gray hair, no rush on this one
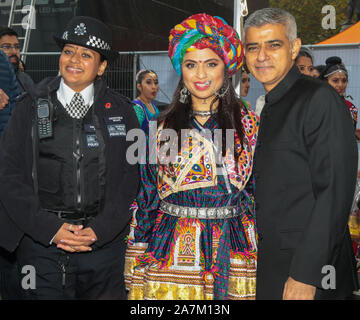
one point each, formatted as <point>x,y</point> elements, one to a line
<point>273,16</point>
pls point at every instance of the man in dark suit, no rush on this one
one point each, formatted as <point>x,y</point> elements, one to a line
<point>305,170</point>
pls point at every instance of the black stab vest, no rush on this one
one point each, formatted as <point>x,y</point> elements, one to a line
<point>68,164</point>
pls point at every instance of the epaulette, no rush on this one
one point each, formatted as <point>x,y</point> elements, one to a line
<point>22,96</point>
<point>128,100</point>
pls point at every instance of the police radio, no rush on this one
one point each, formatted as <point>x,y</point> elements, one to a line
<point>45,118</point>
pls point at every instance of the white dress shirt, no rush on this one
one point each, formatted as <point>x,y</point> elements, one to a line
<point>65,94</point>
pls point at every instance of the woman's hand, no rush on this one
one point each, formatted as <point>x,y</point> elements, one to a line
<point>73,238</point>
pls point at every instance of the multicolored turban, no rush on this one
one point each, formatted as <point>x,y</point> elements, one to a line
<point>202,31</point>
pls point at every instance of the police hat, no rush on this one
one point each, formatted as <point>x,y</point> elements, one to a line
<point>90,33</point>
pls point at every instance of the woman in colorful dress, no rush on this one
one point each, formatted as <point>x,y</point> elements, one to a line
<point>147,85</point>
<point>337,76</point>
<point>193,234</point>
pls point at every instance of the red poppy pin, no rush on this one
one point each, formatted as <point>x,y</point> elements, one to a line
<point>108,105</point>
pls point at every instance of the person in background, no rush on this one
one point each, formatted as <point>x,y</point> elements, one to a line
<point>337,76</point>
<point>9,43</point>
<point>10,46</point>
<point>245,82</point>
<point>304,61</point>
<point>9,278</point>
<point>194,235</point>
<point>9,90</point>
<point>317,70</point>
<point>147,85</point>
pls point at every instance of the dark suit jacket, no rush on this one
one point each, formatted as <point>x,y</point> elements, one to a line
<point>305,170</point>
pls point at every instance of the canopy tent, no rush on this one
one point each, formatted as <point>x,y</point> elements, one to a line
<point>349,35</point>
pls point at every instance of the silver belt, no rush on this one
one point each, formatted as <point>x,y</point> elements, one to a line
<point>200,213</point>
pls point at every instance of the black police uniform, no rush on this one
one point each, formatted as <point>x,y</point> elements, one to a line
<point>81,176</point>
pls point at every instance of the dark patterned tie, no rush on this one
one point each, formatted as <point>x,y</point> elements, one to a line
<point>77,108</point>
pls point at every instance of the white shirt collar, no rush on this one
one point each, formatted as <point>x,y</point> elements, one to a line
<point>65,93</point>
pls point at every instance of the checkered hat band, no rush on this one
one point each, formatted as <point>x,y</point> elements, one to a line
<point>97,43</point>
<point>77,108</point>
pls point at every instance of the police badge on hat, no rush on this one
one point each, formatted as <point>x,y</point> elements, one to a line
<point>80,29</point>
<point>90,33</point>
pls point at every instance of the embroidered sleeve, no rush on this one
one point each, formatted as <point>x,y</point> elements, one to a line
<point>139,113</point>
<point>354,113</point>
<point>147,204</point>
<point>147,201</point>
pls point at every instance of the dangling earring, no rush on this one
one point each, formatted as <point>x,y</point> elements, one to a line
<point>184,94</point>
<point>222,92</point>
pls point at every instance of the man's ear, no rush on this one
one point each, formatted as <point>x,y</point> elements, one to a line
<point>296,45</point>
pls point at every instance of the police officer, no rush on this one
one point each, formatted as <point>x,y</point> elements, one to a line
<point>65,183</point>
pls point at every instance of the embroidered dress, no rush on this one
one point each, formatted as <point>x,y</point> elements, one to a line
<point>143,113</point>
<point>185,257</point>
<point>353,110</point>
